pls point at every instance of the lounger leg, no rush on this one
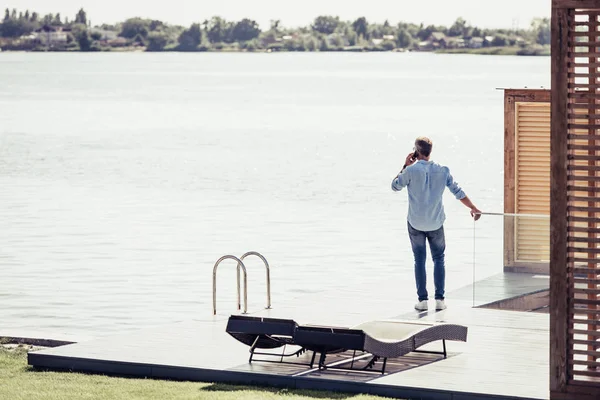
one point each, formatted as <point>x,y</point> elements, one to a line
<point>322,360</point>
<point>283,352</point>
<point>312,361</point>
<point>444,344</point>
<point>371,363</point>
<point>252,348</point>
<point>384,363</point>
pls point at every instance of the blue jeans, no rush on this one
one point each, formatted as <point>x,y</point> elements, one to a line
<point>437,245</point>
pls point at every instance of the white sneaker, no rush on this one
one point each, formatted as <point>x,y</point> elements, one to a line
<point>440,305</point>
<point>422,306</point>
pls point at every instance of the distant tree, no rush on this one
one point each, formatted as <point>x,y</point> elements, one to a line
<point>424,33</point>
<point>311,44</point>
<point>325,24</point>
<point>404,40</point>
<point>468,32</point>
<point>290,45</point>
<point>458,28</point>
<point>250,45</point>
<point>13,14</point>
<point>412,29</point>
<point>96,36</point>
<point>191,38</point>
<point>34,16</point>
<point>10,28</point>
<point>387,28</point>
<point>26,16</point>
<point>21,16</point>
<point>499,40</point>
<point>82,37</point>
<point>57,21</point>
<point>219,30</point>
<point>245,30</point>
<point>81,17</point>
<point>543,36</point>
<point>352,38</point>
<point>376,31</point>
<point>268,37</point>
<point>476,32</point>
<point>156,25</point>
<point>15,27</point>
<point>6,14</point>
<point>157,41</point>
<point>361,27</point>
<point>48,19</point>
<point>337,41</point>
<point>541,29</point>
<point>108,27</point>
<point>275,25</point>
<point>324,45</point>
<point>134,27</point>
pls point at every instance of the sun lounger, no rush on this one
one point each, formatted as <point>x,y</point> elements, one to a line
<point>265,333</point>
<point>380,339</point>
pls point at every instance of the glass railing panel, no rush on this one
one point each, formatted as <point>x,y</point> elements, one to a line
<point>511,262</point>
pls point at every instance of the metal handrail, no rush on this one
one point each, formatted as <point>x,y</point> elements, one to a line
<point>264,260</point>
<point>515,215</point>
<point>240,263</point>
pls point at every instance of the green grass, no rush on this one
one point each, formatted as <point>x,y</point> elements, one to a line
<point>19,382</point>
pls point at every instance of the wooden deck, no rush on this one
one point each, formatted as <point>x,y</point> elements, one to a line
<point>506,355</point>
<point>502,287</point>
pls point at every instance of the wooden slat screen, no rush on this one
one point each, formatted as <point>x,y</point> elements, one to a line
<point>532,181</point>
<point>583,197</point>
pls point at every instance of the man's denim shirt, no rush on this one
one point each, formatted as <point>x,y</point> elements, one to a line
<point>426,181</point>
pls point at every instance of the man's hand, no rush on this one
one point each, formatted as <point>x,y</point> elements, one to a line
<point>409,159</point>
<point>475,213</point>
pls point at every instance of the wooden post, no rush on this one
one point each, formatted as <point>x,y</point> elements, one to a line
<point>592,223</point>
<point>558,202</point>
<point>509,178</point>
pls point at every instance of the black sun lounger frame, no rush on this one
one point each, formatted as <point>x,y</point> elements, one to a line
<point>330,340</point>
<point>266,333</point>
<point>269,333</point>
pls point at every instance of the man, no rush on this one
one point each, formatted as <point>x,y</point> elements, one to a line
<point>426,181</point>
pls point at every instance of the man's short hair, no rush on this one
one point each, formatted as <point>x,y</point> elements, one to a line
<point>424,146</point>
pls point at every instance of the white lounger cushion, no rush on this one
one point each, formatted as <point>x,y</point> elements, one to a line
<point>397,338</point>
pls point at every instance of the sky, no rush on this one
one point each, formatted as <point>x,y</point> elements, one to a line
<point>497,14</point>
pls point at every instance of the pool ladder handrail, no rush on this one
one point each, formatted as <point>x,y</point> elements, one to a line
<point>268,269</point>
<point>240,265</point>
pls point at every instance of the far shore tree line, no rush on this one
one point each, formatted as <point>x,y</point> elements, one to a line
<point>25,30</point>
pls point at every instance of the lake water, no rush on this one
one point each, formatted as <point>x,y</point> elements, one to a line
<point>124,177</point>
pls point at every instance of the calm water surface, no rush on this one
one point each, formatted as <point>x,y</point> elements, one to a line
<point>123,177</point>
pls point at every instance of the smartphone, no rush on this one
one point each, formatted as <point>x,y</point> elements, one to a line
<point>415,155</point>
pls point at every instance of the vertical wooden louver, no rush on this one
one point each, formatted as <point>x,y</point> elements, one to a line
<point>575,192</point>
<point>532,186</point>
